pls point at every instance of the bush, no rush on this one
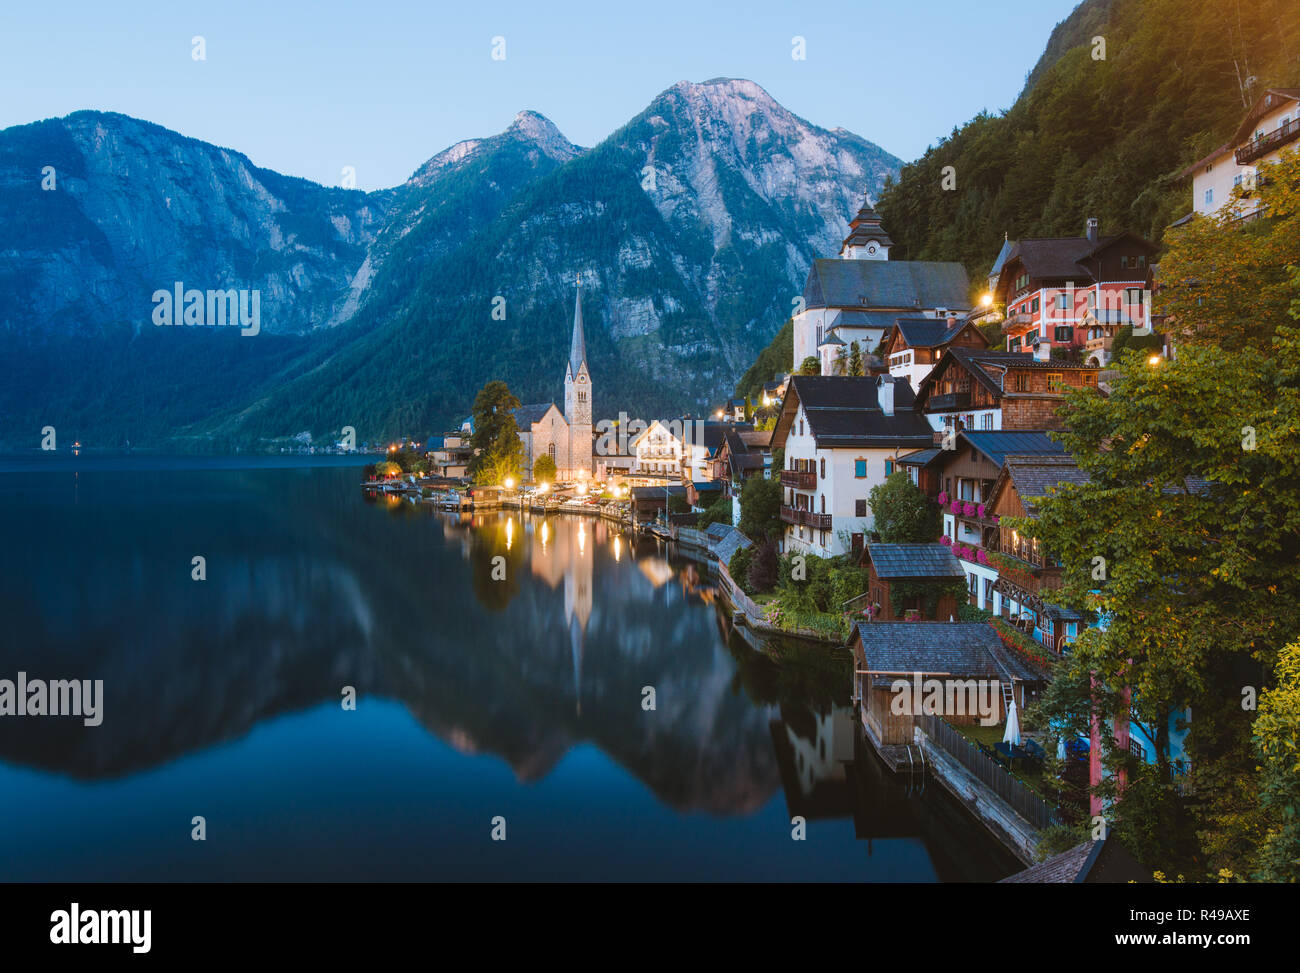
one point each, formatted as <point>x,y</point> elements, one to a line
<point>903,514</point>
<point>718,512</point>
<point>763,569</point>
<point>738,567</point>
<point>969,613</point>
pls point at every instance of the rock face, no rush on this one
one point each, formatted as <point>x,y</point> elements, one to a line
<point>693,227</point>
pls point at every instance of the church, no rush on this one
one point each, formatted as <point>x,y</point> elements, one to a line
<point>565,437</point>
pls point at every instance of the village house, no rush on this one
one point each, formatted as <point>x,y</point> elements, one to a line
<point>857,296</point>
<point>912,582</point>
<point>1048,285</point>
<point>1026,576</point>
<point>961,481</point>
<point>1271,124</point>
<point>680,450</point>
<point>913,346</point>
<point>743,454</point>
<point>976,674</point>
<point>841,437</point>
<point>985,390</point>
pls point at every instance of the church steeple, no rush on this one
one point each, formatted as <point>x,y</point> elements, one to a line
<point>578,347</point>
<point>867,239</point>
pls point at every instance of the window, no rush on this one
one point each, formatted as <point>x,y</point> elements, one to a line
<point>1123,261</point>
<point>1064,333</point>
<point>889,467</point>
<point>1022,381</point>
<point>1055,382</point>
<point>1209,197</point>
<point>1236,180</point>
<point>1033,306</point>
<point>823,473</point>
<point>986,420</point>
<point>1133,295</point>
<point>823,503</point>
<point>1013,344</point>
<point>1142,261</point>
<point>1022,281</point>
<point>859,508</point>
<point>800,427</point>
<point>1062,302</point>
<point>1089,378</point>
<point>1092,300</point>
<point>860,468</point>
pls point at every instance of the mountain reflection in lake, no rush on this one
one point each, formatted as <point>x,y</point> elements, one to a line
<point>477,698</point>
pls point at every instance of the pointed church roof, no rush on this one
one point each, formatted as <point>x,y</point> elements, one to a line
<point>578,349</point>
<point>864,227</point>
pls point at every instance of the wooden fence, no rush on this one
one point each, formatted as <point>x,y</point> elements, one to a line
<point>989,772</point>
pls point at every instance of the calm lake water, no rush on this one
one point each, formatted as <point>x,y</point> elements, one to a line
<point>476,698</point>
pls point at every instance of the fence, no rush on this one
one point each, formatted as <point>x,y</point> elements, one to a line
<point>989,772</point>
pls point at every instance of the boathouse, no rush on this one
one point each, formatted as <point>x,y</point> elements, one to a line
<point>957,670</point>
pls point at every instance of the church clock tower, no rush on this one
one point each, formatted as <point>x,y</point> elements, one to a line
<point>577,397</point>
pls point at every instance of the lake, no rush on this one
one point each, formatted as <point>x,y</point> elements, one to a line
<point>502,668</point>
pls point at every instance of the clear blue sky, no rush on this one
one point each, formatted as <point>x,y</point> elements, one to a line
<point>307,88</point>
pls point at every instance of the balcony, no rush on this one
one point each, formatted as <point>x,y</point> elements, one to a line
<point>950,402</point>
<point>1015,323</point>
<point>1257,148</point>
<point>798,480</point>
<point>1099,344</point>
<point>805,518</point>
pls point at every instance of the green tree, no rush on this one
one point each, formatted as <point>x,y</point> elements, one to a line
<point>760,508</point>
<point>903,514</point>
<point>855,360</point>
<point>810,366</point>
<point>544,469</point>
<point>1233,283</point>
<point>1186,538</point>
<point>498,451</point>
<point>718,512</point>
<point>1277,742</point>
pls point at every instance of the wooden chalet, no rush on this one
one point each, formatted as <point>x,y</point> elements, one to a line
<point>988,390</point>
<point>919,567</point>
<point>959,655</point>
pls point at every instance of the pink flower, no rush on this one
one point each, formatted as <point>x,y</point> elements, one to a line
<point>968,509</point>
<point>980,511</point>
<point>943,498</point>
<point>982,556</point>
<point>945,540</point>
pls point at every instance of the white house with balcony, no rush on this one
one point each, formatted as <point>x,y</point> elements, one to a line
<point>1271,125</point>
<point>841,436</point>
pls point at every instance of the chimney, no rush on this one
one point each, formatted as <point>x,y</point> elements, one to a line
<point>1094,229</point>
<point>952,321</point>
<point>885,394</point>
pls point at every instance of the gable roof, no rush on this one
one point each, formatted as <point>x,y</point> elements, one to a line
<point>914,561</point>
<point>845,411</point>
<point>1034,476</point>
<point>866,284</point>
<point>527,415</point>
<point>1091,862</point>
<point>1263,106</point>
<point>1062,257</point>
<point>988,366</point>
<point>1002,443</point>
<point>1007,245</point>
<point>964,650</point>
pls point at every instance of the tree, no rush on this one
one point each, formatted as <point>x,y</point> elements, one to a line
<point>810,366</point>
<point>763,568</point>
<point>1186,539</point>
<point>903,514</point>
<point>1277,742</point>
<point>760,508</point>
<point>544,469</point>
<point>498,451</point>
<point>1233,283</point>
<point>718,512</point>
<point>855,360</point>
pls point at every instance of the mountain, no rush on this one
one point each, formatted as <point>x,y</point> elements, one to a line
<point>692,227</point>
<point>1097,137</point>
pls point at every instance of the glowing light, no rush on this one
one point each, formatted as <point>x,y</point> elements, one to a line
<point>1153,360</point>
<point>718,414</point>
<point>766,401</point>
<point>582,489</point>
<point>582,538</point>
<point>546,533</point>
<point>987,300</point>
<point>510,532</point>
<point>618,547</point>
<point>544,488</point>
<point>510,483</point>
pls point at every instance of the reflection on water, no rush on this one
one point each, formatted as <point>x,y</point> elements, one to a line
<point>501,662</point>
